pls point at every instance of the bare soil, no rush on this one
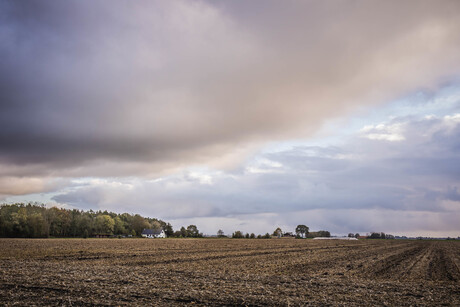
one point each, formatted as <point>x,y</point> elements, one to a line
<point>164,272</point>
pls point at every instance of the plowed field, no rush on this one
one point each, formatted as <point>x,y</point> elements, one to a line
<point>76,272</point>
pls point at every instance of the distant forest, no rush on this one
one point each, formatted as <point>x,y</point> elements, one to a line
<point>38,221</point>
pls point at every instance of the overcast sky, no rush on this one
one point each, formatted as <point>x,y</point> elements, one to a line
<point>341,115</point>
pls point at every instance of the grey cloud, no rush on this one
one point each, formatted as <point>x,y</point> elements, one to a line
<point>453,194</point>
<point>363,185</point>
<point>159,84</point>
<point>350,177</point>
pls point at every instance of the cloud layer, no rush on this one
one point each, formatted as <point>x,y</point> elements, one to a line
<point>90,89</point>
<point>162,107</point>
<point>365,184</point>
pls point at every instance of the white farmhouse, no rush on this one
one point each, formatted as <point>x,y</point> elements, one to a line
<point>153,233</point>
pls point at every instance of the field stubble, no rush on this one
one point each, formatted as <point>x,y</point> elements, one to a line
<point>77,272</point>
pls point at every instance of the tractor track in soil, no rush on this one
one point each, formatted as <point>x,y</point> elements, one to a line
<point>104,272</point>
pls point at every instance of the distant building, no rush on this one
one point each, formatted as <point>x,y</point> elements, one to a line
<point>153,233</point>
<point>335,238</point>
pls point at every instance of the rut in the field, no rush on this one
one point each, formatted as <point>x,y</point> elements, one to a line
<point>432,262</point>
<point>209,272</point>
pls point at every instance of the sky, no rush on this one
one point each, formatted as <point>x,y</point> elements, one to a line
<point>236,115</point>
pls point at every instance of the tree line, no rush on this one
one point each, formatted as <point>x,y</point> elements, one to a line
<point>37,221</point>
<point>373,235</point>
<point>301,231</point>
<point>240,235</point>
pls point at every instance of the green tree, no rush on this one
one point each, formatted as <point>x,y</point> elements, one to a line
<point>54,222</point>
<point>84,225</point>
<point>237,235</point>
<point>278,232</point>
<point>35,220</point>
<point>105,224</point>
<point>192,231</point>
<point>156,225</point>
<point>6,223</point>
<point>119,226</point>
<point>220,233</point>
<point>74,217</point>
<point>183,232</point>
<point>65,221</point>
<point>302,231</point>
<point>19,220</point>
<point>37,225</point>
<point>169,231</point>
<point>139,224</point>
<point>324,233</point>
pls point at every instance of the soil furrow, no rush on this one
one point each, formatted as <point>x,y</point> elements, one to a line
<point>137,272</point>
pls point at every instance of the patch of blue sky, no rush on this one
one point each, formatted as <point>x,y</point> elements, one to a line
<point>443,102</point>
<point>43,198</point>
<point>337,131</point>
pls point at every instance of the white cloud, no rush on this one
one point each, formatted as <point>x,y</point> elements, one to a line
<point>392,132</point>
<point>202,178</point>
<point>451,121</point>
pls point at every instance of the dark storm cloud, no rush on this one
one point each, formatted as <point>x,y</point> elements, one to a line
<point>90,88</point>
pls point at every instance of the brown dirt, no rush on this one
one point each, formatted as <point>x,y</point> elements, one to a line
<point>78,272</point>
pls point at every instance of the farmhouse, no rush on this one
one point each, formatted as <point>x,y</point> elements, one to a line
<point>153,233</point>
